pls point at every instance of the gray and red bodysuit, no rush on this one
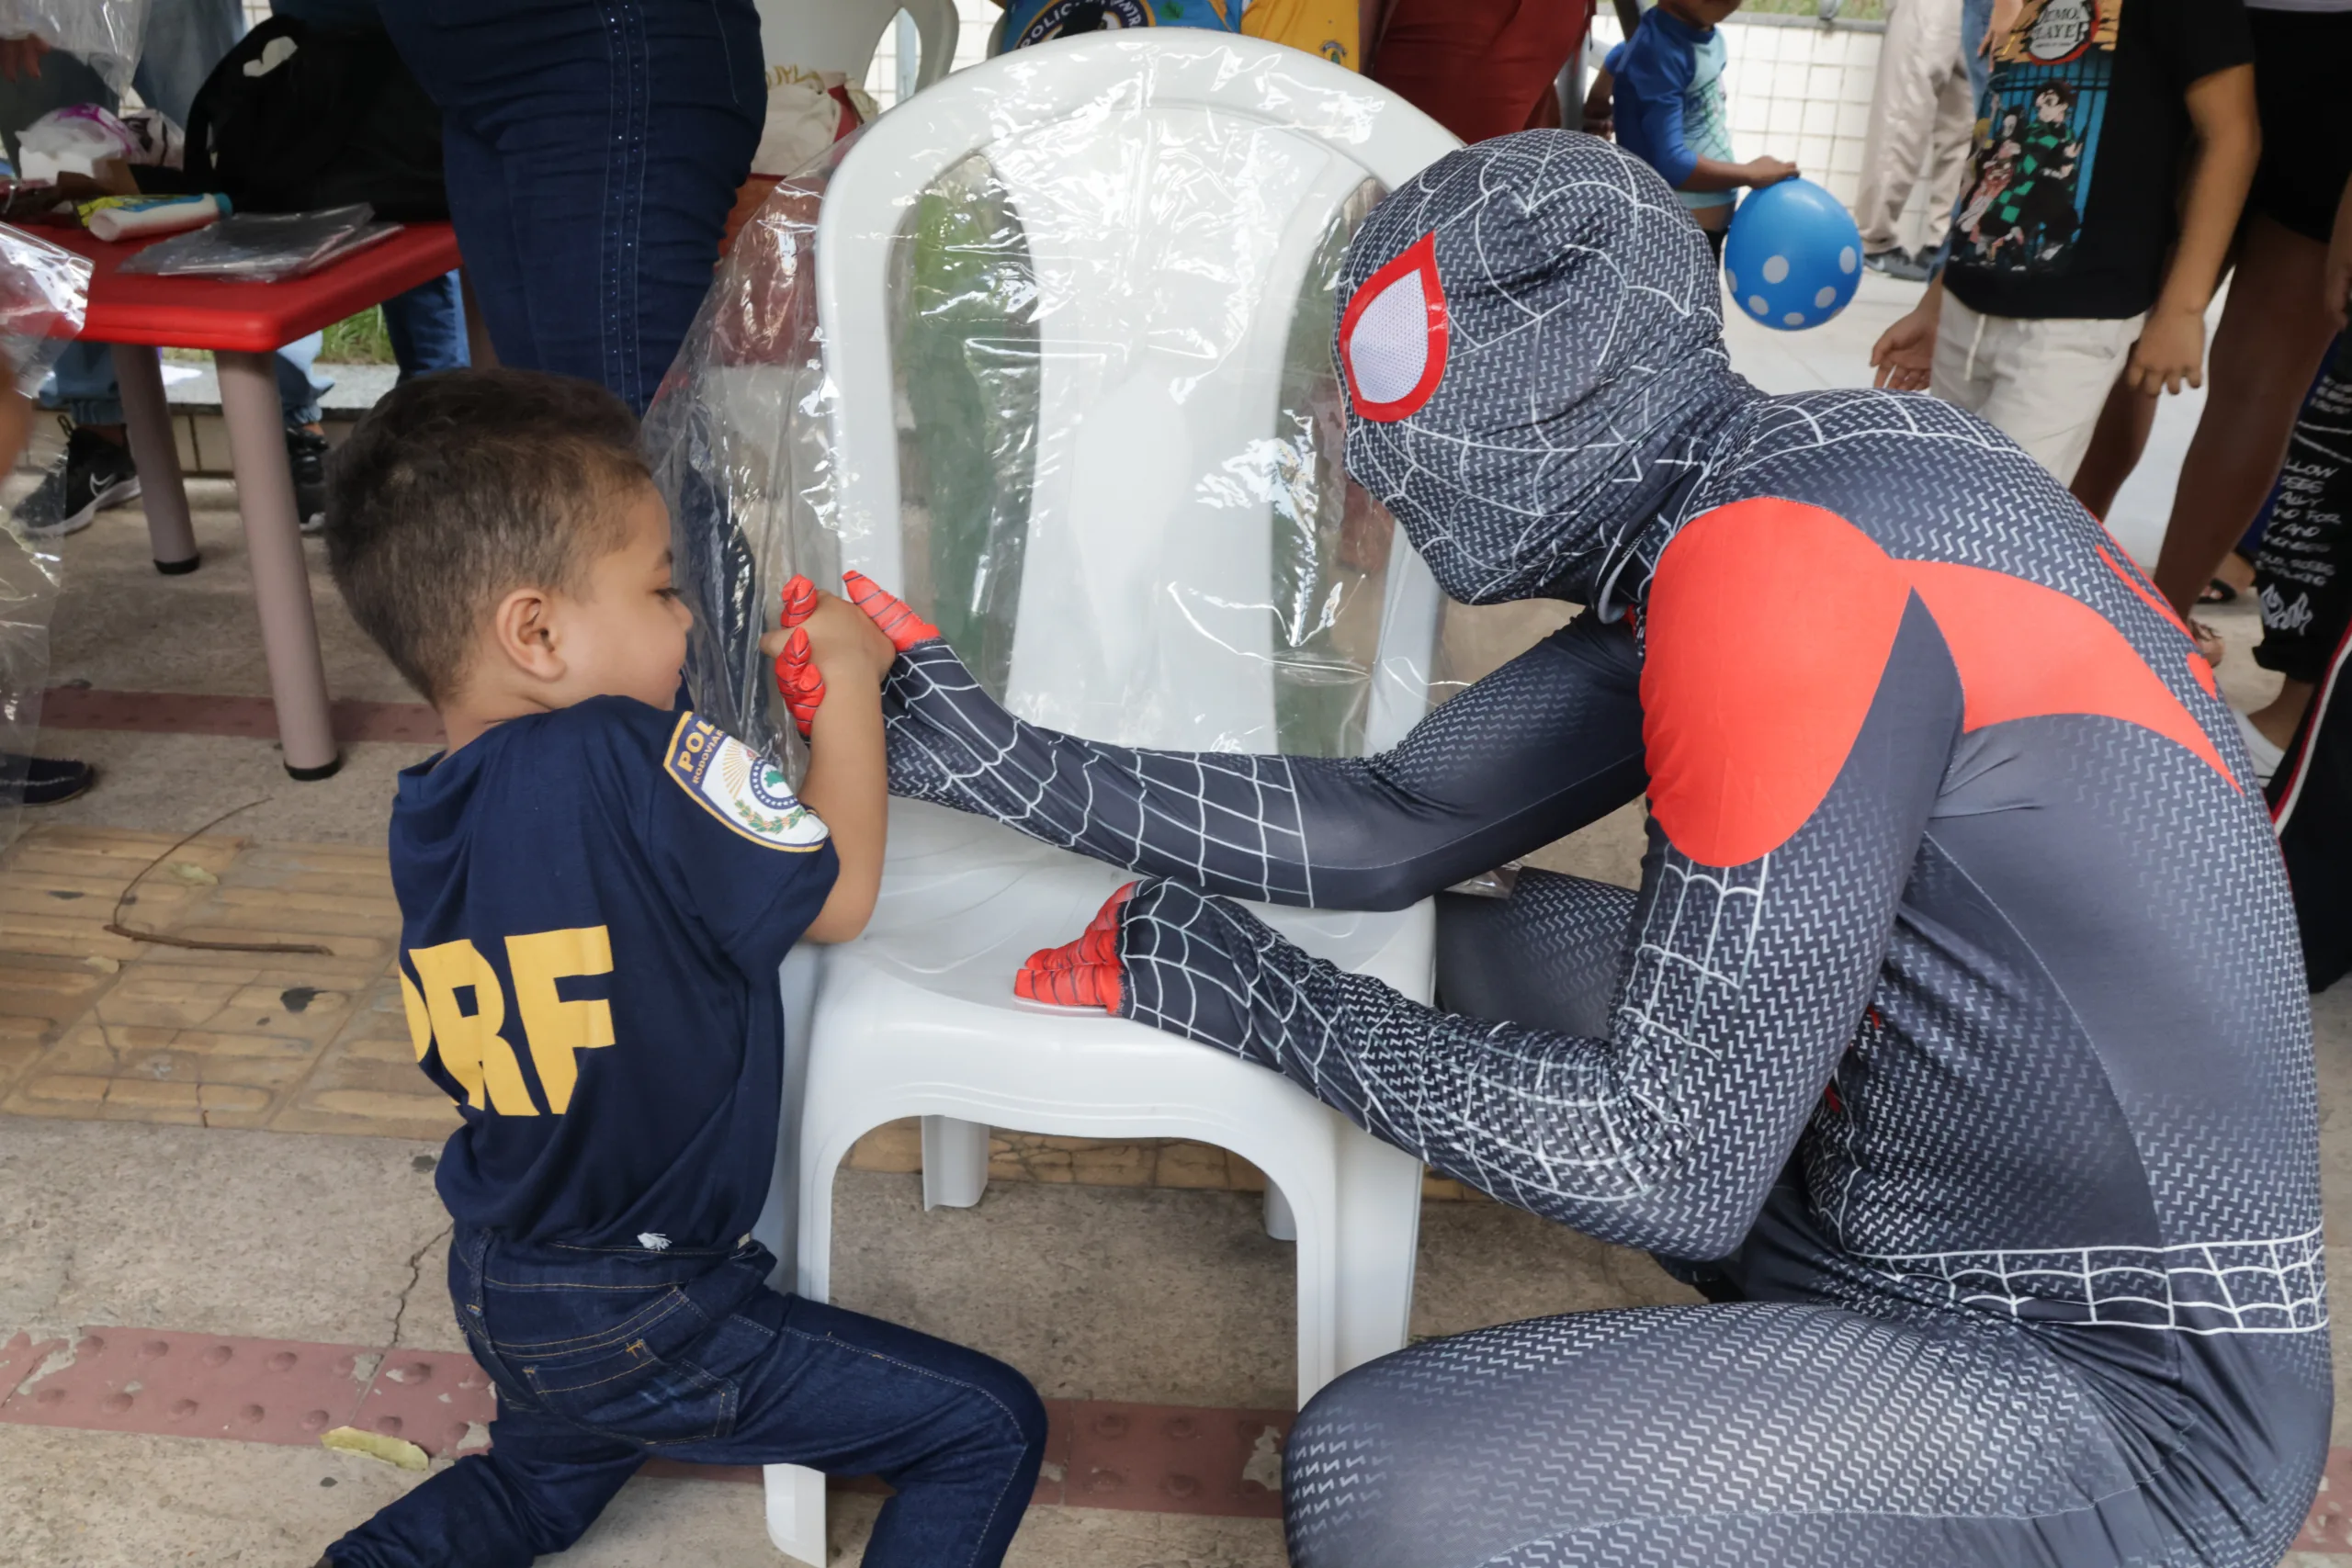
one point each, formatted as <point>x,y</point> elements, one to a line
<point>1955,1042</point>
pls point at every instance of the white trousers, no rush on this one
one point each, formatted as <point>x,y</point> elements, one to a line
<point>2042,382</point>
<point>1920,113</point>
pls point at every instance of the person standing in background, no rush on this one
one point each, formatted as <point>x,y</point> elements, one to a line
<point>2278,321</point>
<point>593,150</point>
<point>1480,68</point>
<point>180,43</point>
<point>2112,162</point>
<point>1921,106</point>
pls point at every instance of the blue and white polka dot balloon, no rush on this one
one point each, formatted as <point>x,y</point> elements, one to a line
<point>1792,256</point>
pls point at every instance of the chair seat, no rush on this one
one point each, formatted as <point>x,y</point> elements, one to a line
<point>964,901</point>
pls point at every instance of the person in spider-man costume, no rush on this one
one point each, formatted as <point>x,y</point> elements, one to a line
<point>1955,1045</point>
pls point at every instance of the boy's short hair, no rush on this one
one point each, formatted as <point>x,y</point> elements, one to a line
<point>459,488</point>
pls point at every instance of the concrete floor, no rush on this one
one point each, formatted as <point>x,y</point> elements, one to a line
<point>1147,1294</point>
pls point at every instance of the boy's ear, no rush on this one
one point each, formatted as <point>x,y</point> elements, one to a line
<point>523,629</point>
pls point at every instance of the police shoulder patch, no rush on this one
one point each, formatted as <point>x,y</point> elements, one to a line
<point>739,787</point>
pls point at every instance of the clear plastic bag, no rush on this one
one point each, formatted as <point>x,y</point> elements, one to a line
<point>1094,355</point>
<point>44,293</point>
<point>264,247</point>
<point>106,34</point>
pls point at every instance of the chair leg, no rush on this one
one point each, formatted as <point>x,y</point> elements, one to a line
<point>1281,1224</point>
<point>1377,1246</point>
<point>954,1162</point>
<point>796,1507</point>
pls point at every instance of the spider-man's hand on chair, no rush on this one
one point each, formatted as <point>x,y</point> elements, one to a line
<point>798,679</point>
<point>1081,973</point>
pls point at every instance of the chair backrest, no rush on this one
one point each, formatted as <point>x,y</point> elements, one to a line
<point>1174,192</point>
<point>839,35</point>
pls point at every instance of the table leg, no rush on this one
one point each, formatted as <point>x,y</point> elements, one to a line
<point>290,632</point>
<point>170,536</point>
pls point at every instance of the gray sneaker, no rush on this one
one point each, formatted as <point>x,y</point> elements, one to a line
<point>1896,262</point>
<point>93,474</point>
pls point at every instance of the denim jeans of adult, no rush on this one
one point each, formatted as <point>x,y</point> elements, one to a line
<point>604,1357</point>
<point>593,150</point>
<point>427,326</point>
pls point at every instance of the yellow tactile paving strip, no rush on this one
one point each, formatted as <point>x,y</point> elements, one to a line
<point>100,1027</point>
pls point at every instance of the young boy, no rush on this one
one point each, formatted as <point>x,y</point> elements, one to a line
<point>596,887</point>
<point>2076,198</point>
<point>1667,83</point>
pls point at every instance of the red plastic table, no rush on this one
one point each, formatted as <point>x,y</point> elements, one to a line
<point>244,324</point>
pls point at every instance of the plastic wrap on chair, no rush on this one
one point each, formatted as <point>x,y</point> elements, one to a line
<point>105,33</point>
<point>1098,371</point>
<point>44,292</point>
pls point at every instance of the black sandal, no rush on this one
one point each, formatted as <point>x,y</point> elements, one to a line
<point>2218,592</point>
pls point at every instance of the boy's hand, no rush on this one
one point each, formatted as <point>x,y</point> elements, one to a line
<point>2170,352</point>
<point>1905,352</point>
<point>1762,172</point>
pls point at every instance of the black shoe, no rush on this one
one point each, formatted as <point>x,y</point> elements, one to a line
<point>306,455</point>
<point>93,474</point>
<point>1896,262</point>
<point>43,781</point>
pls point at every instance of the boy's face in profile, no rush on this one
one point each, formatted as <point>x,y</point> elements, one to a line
<point>625,633</point>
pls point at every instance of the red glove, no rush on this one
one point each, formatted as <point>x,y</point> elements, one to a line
<point>900,625</point>
<point>802,687</point>
<point>1081,973</point>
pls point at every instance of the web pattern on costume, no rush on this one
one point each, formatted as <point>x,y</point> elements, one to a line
<point>2270,1286</point>
<point>1574,284</point>
<point>1230,821</point>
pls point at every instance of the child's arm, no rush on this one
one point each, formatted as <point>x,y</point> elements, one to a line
<point>847,785</point>
<point>1596,122</point>
<point>2171,349</point>
<point>1659,106</point>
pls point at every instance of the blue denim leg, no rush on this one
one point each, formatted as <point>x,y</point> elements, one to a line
<point>84,385</point>
<point>603,1355</point>
<point>427,326</point>
<point>590,186</point>
<point>958,1434</point>
<point>1975,15</point>
<point>298,388</point>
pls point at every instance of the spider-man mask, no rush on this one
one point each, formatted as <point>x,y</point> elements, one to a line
<point>1534,353</point>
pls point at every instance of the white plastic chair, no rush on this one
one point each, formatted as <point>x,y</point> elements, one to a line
<point>918,1017</point>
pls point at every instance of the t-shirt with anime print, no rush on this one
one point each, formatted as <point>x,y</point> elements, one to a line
<point>2082,138</point>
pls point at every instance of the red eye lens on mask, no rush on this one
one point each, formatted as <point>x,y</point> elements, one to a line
<point>1393,337</point>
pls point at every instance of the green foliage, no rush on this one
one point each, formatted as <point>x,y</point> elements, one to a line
<point>359,340</point>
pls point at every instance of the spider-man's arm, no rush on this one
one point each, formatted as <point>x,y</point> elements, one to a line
<point>1792,783</point>
<point>1544,745</point>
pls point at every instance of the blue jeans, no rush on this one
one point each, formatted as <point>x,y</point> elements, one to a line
<point>593,150</point>
<point>1975,15</point>
<point>603,1357</point>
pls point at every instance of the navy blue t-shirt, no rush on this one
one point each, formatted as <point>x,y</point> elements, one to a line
<point>594,903</point>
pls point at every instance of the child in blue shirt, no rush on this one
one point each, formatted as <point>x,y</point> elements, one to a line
<point>596,887</point>
<point>1668,109</point>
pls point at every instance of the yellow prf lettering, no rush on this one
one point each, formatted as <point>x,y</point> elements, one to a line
<point>472,1050</point>
<point>420,1022</point>
<point>554,1027</point>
